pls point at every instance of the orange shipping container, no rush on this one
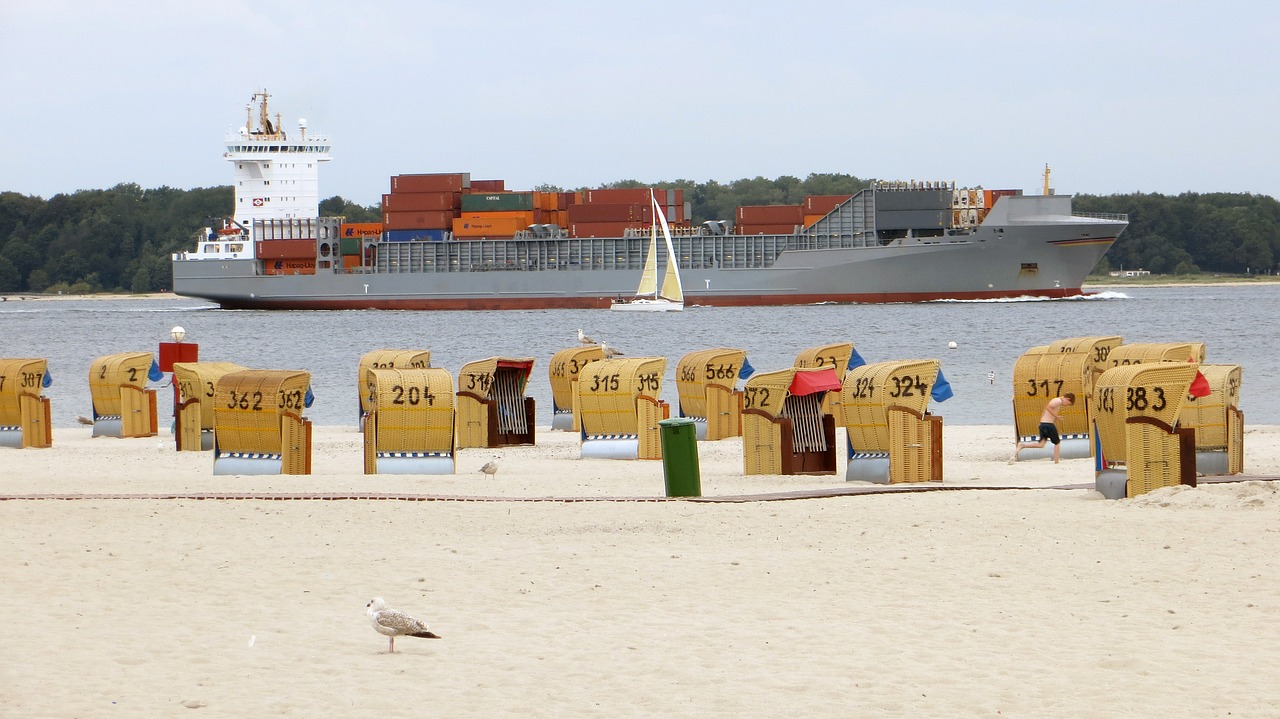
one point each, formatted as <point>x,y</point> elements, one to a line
<point>412,201</point>
<point>422,220</point>
<point>350,261</point>
<point>487,227</point>
<point>289,267</point>
<point>523,218</point>
<point>810,219</point>
<point>360,229</point>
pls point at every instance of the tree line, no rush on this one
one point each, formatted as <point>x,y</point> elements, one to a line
<point>120,239</point>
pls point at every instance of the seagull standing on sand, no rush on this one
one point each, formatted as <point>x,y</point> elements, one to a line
<point>390,623</point>
<point>584,338</point>
<point>491,467</point>
<point>609,351</point>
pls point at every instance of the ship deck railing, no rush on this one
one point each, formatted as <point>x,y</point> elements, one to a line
<point>1112,216</point>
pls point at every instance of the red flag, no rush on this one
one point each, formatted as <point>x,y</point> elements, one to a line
<point>1199,386</point>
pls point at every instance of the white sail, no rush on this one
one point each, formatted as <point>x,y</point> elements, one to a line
<point>648,298</point>
<point>671,287</point>
<point>649,276</point>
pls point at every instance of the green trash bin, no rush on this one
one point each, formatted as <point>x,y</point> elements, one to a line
<point>680,457</point>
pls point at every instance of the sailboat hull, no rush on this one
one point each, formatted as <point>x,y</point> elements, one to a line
<point>647,305</point>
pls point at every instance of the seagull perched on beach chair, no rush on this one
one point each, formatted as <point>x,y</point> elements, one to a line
<point>391,623</point>
<point>585,338</point>
<point>608,351</point>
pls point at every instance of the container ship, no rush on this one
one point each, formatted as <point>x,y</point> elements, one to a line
<point>450,242</point>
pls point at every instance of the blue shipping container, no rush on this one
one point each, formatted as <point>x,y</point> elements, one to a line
<point>412,235</point>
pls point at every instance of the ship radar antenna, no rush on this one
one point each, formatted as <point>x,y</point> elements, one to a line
<point>1048,190</point>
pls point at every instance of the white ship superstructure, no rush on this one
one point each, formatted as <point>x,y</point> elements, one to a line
<point>276,176</point>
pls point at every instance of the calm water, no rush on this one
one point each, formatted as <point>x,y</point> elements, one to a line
<point>1237,324</point>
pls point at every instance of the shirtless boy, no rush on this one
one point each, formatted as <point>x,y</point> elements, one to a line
<point>1048,427</point>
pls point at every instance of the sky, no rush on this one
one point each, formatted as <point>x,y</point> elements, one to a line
<point>1115,96</point>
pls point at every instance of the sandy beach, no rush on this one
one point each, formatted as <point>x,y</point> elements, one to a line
<point>1029,602</point>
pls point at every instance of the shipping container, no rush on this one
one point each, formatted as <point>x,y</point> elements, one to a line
<point>349,261</point>
<point>523,218</point>
<point>286,249</point>
<point>435,182</point>
<point>602,229</point>
<point>611,212</point>
<point>822,204</point>
<point>989,200</point>
<point>765,229</point>
<point>770,215</point>
<point>360,229</point>
<point>488,185</point>
<point>636,195</point>
<point>488,227</point>
<point>421,220</point>
<point>351,245</point>
<point>414,235</point>
<point>497,201</point>
<point>810,219</point>
<point>416,201</point>
<point>289,267</point>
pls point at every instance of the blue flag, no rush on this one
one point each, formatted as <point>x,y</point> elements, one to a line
<point>855,360</point>
<point>941,388</point>
<point>306,401</point>
<point>747,370</point>
<point>48,379</point>
<point>154,374</point>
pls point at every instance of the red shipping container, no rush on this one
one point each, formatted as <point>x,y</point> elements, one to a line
<point>439,182</point>
<point>636,195</point>
<point>286,249</point>
<point>991,196</point>
<point>611,212</point>
<point>822,204</point>
<point>764,229</point>
<point>414,201</point>
<point>601,229</point>
<point>420,220</point>
<point>488,185</point>
<point>770,215</point>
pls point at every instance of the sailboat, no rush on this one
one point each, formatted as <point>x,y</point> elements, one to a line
<point>649,298</point>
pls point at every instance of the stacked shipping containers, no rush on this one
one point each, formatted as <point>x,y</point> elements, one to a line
<point>423,206</point>
<point>768,219</point>
<point>817,207</point>
<point>611,212</point>
<point>354,237</point>
<point>433,206</point>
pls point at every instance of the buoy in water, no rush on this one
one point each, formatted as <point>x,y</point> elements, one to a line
<point>951,345</point>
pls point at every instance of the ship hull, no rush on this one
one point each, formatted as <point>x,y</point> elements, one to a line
<point>971,270</point>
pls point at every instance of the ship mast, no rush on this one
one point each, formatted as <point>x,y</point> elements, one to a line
<point>1047,189</point>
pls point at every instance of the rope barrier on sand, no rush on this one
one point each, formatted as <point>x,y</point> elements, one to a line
<point>823,493</point>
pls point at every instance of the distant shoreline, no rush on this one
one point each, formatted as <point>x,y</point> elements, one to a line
<point>23,297</point>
